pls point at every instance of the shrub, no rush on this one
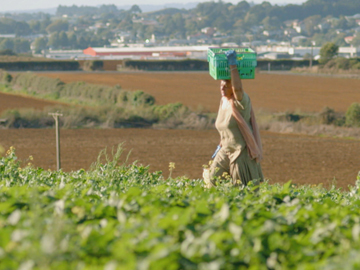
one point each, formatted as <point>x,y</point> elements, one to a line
<point>32,83</point>
<point>356,66</point>
<point>39,65</point>
<point>328,52</point>
<point>327,116</point>
<point>330,64</point>
<point>139,98</point>
<point>167,111</point>
<point>93,65</point>
<point>5,77</point>
<point>342,63</point>
<point>353,115</point>
<point>7,52</point>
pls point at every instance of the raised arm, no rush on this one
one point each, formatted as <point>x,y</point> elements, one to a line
<point>237,87</point>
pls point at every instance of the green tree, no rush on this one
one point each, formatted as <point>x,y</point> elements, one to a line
<point>44,24</point>
<point>135,9</point>
<point>22,29</point>
<point>310,24</point>
<point>353,115</point>
<point>35,26</point>
<point>21,45</point>
<point>271,23</point>
<point>39,44</point>
<point>328,52</point>
<point>54,40</point>
<point>7,52</point>
<point>339,40</point>
<point>250,19</point>
<point>126,24</point>
<point>72,38</point>
<point>63,39</point>
<point>82,43</point>
<point>58,26</point>
<point>7,44</point>
<point>356,41</point>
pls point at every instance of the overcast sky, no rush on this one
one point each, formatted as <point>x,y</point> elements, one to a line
<point>6,5</point>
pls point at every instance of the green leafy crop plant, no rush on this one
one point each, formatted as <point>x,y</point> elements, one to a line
<point>122,216</point>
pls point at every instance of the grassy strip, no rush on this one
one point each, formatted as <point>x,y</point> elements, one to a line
<point>101,106</point>
<point>76,92</point>
<point>166,116</point>
<point>115,107</point>
<point>119,216</point>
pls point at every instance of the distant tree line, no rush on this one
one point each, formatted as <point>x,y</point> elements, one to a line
<point>85,10</point>
<point>85,26</point>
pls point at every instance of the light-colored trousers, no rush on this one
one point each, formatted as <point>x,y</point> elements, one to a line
<point>238,165</point>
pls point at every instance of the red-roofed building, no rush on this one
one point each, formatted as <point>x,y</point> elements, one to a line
<point>149,52</point>
<point>348,39</point>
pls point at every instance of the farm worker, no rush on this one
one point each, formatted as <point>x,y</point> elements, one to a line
<point>240,151</point>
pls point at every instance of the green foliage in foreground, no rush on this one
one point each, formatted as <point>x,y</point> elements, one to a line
<point>125,217</point>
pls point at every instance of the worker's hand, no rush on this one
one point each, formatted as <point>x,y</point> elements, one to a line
<point>231,56</point>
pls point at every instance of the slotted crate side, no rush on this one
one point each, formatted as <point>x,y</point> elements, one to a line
<point>224,74</point>
<point>218,64</point>
<point>219,69</point>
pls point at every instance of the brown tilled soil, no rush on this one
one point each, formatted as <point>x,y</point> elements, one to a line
<point>303,159</point>
<point>9,101</point>
<point>271,92</point>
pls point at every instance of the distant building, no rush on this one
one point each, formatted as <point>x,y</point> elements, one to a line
<point>297,39</point>
<point>301,51</point>
<point>274,56</point>
<point>299,26</point>
<point>349,39</point>
<point>208,31</point>
<point>145,22</point>
<point>168,52</point>
<point>65,54</point>
<point>7,35</point>
<point>278,51</point>
<point>323,26</point>
<point>348,51</point>
<point>354,17</point>
<point>290,32</point>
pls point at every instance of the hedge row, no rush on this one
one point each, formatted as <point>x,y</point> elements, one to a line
<point>151,65</point>
<point>40,65</point>
<point>167,65</point>
<point>283,64</point>
<point>75,92</point>
<point>194,65</point>
<point>110,106</point>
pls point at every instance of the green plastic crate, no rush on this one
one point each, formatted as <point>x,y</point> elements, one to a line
<point>219,67</point>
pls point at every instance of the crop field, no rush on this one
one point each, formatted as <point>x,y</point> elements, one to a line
<point>125,217</point>
<point>271,92</point>
<point>302,159</point>
<point>117,211</point>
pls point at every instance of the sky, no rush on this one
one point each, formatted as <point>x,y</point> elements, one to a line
<point>6,5</point>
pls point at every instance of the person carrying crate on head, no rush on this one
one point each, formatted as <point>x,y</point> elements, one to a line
<point>240,151</point>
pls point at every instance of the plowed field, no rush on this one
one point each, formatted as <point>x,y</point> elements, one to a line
<point>9,101</point>
<point>304,159</point>
<point>272,92</point>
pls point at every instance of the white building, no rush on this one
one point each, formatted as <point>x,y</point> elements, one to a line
<point>165,52</point>
<point>302,51</point>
